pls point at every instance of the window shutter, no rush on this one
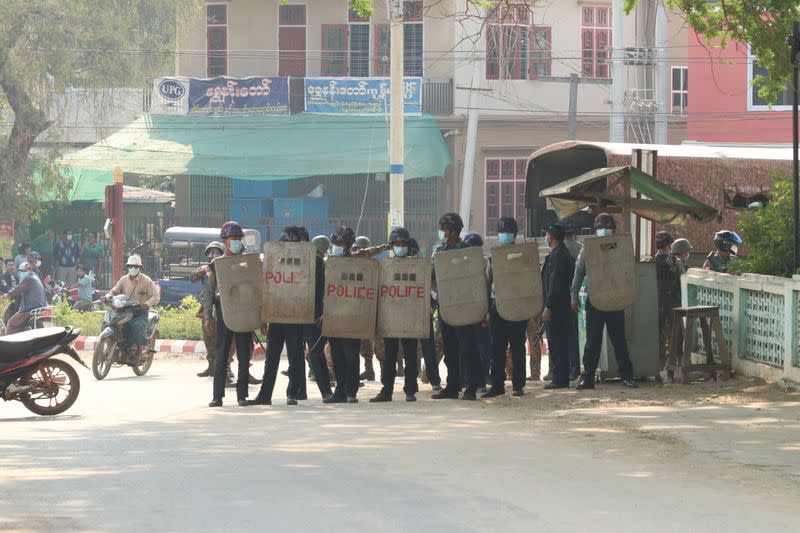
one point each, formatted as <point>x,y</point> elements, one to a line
<point>334,50</point>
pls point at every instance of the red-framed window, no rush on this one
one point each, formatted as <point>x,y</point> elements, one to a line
<point>596,41</point>
<point>216,40</point>
<point>292,40</point>
<point>505,191</point>
<point>515,48</point>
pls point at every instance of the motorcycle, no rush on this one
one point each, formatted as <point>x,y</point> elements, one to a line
<point>28,374</point>
<point>112,347</point>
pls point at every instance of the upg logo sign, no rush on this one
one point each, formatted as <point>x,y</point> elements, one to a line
<point>171,89</point>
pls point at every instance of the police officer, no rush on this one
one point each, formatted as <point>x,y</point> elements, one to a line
<point>556,281</point>
<point>277,335</point>
<point>363,248</point>
<point>727,244</point>
<point>213,250</point>
<point>231,234</point>
<point>681,250</point>
<point>460,345</point>
<point>345,351</point>
<point>597,321</point>
<point>506,334</point>
<point>668,287</point>
<point>574,349</point>
<point>312,333</point>
<point>428,346</point>
<point>482,334</point>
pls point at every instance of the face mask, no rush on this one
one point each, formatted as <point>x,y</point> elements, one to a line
<point>23,275</point>
<point>69,237</point>
<point>337,250</point>
<point>604,232</point>
<point>441,235</point>
<point>38,264</point>
<point>133,271</point>
<point>505,238</point>
<point>213,255</point>
<point>235,246</point>
<point>400,251</point>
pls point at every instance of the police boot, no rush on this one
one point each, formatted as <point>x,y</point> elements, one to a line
<point>208,372</point>
<point>369,372</point>
<point>253,381</point>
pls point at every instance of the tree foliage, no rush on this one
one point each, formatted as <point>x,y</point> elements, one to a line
<point>158,183</point>
<point>768,234</point>
<point>48,46</point>
<point>764,24</point>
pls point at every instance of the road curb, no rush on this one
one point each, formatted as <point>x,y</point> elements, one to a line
<point>162,345</point>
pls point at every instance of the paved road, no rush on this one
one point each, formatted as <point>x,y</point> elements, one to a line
<point>145,454</point>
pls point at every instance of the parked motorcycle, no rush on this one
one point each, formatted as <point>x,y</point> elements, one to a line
<point>29,374</point>
<point>112,347</point>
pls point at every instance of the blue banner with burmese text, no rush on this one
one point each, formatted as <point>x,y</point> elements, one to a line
<point>359,96</point>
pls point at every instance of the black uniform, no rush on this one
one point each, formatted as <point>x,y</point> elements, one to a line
<point>559,266</point>
<point>428,348</point>
<point>346,366</point>
<point>506,334</point>
<point>312,334</point>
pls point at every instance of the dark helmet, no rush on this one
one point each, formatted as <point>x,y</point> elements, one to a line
<point>557,231</point>
<point>343,235</point>
<point>413,247</point>
<point>507,225</point>
<point>291,234</point>
<point>681,246</point>
<point>663,239</point>
<point>604,220</point>
<point>363,242</point>
<point>304,236</point>
<point>473,239</point>
<point>321,242</point>
<point>451,221</point>
<point>231,229</point>
<point>215,245</point>
<point>727,241</point>
<point>399,234</point>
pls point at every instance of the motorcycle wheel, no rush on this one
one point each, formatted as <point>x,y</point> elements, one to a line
<point>55,388</point>
<point>101,360</point>
<point>142,369</point>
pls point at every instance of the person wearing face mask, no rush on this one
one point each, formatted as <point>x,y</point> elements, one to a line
<point>574,248</point>
<point>460,344</point>
<point>30,295</point>
<point>506,334</point>
<point>35,261</point>
<point>597,321</point>
<point>213,250</point>
<point>399,238</point>
<point>231,234</point>
<point>680,251</point>
<point>430,373</point>
<point>66,253</point>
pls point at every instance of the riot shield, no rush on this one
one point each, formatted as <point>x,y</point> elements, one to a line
<point>517,281</point>
<point>351,298</point>
<point>461,286</point>
<point>289,275</point>
<point>240,286</point>
<point>610,269</point>
<point>404,298</point>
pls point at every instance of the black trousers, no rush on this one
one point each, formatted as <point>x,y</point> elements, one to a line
<point>278,335</point>
<point>596,321</point>
<point>391,348</point>
<point>346,366</point>
<point>461,348</point>
<point>573,343</point>
<point>429,356</point>
<point>558,332</point>
<point>507,334</point>
<point>244,350</point>
<point>316,351</point>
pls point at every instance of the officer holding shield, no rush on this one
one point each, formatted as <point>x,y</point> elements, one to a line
<point>556,315</point>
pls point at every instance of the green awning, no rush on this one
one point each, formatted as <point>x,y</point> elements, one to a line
<point>256,148</point>
<point>661,203</point>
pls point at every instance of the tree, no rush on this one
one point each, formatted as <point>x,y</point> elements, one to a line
<point>764,24</point>
<point>158,183</point>
<point>768,234</point>
<point>47,46</point>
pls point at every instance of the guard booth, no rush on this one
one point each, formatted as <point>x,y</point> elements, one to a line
<point>641,200</point>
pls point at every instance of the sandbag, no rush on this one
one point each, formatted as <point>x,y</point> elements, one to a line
<point>289,275</point>
<point>517,281</point>
<point>461,286</point>
<point>239,279</point>
<point>610,271</point>
<point>351,298</point>
<point>404,298</point>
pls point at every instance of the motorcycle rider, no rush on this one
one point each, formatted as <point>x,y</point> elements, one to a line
<point>141,288</point>
<point>727,243</point>
<point>30,292</point>
<point>231,234</point>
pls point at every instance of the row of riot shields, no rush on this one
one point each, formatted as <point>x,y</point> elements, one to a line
<point>365,298</point>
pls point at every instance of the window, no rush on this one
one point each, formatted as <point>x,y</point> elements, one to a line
<point>755,102</point>
<point>359,44</point>
<point>680,90</point>
<point>505,192</point>
<point>382,50</point>
<point>595,41</point>
<point>292,40</point>
<point>334,50</point>
<point>515,49</point>
<point>412,38</point>
<point>741,198</point>
<point>216,40</point>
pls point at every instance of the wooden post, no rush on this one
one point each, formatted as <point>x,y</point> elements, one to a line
<point>117,229</point>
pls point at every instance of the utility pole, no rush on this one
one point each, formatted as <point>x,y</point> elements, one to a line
<point>396,118</point>
<point>118,231</point>
<point>661,79</point>
<point>617,122</point>
<point>572,115</point>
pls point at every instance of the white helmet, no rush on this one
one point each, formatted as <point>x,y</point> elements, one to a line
<point>134,260</point>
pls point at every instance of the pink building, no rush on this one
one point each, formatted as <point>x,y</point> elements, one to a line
<point>724,107</point>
